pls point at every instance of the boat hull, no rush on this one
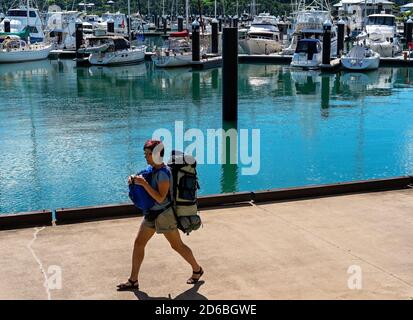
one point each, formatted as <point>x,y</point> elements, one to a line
<point>24,55</point>
<point>172,61</point>
<point>302,61</point>
<point>117,57</point>
<point>260,46</point>
<point>361,64</point>
<point>385,49</point>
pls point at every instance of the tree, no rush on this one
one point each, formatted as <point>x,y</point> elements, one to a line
<point>229,6</point>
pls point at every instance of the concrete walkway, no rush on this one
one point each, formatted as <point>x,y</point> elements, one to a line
<point>289,250</point>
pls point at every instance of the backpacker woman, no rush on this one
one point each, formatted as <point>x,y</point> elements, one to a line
<point>160,218</point>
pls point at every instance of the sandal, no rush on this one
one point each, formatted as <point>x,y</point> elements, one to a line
<point>130,285</point>
<point>193,280</point>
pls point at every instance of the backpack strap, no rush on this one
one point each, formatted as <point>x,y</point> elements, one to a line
<point>172,200</point>
<point>168,172</point>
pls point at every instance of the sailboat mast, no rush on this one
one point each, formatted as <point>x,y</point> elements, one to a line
<point>28,12</point>
<point>187,14</point>
<point>129,22</point>
<point>365,13</point>
<point>215,9</point>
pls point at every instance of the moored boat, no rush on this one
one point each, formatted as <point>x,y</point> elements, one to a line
<point>14,49</point>
<point>381,36</point>
<point>24,17</point>
<point>308,54</point>
<point>112,50</point>
<point>176,52</point>
<point>309,23</point>
<point>361,58</point>
<point>263,37</point>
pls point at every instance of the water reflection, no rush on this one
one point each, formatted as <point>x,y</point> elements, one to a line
<point>229,156</point>
<point>119,72</point>
<point>404,78</point>
<point>215,79</point>
<point>305,82</point>
<point>26,69</point>
<point>85,126</point>
<point>196,96</point>
<point>282,80</point>
<point>325,95</point>
<point>378,82</point>
<point>256,79</point>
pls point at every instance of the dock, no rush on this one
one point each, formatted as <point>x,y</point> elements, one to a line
<point>153,34</point>
<point>62,54</point>
<point>148,55</point>
<point>313,248</point>
<point>265,58</point>
<point>333,66</point>
<point>208,62</point>
<point>396,62</point>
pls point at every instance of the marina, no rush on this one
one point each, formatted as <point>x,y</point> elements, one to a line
<point>92,132</point>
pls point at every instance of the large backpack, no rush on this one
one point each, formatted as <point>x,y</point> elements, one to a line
<point>184,191</point>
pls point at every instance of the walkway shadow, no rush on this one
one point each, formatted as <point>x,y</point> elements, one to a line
<point>190,294</point>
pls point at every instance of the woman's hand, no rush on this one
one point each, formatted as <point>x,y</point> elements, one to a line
<point>139,180</point>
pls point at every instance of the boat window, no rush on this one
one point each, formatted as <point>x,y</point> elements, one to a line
<point>21,13</point>
<point>269,25</point>
<point>33,29</point>
<point>378,20</point>
<point>121,44</point>
<point>307,47</point>
<point>263,35</point>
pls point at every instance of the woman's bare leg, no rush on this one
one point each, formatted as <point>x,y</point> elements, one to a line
<point>144,235</point>
<point>176,243</point>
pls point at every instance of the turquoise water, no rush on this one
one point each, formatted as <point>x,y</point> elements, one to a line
<point>70,136</point>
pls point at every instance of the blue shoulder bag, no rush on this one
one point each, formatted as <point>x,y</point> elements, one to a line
<point>138,194</point>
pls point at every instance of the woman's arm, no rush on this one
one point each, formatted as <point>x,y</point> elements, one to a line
<point>158,196</point>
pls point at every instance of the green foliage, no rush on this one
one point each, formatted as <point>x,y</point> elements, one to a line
<point>207,6</point>
<point>406,15</point>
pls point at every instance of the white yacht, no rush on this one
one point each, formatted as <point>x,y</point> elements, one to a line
<point>263,36</point>
<point>380,35</point>
<point>93,19</point>
<point>308,23</point>
<point>22,17</point>
<point>61,28</point>
<point>14,49</point>
<point>88,28</point>
<point>138,23</point>
<point>90,22</point>
<point>308,54</point>
<point>112,50</point>
<point>176,52</point>
<point>119,19</point>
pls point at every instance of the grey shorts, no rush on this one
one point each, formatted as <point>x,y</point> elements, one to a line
<point>165,222</point>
